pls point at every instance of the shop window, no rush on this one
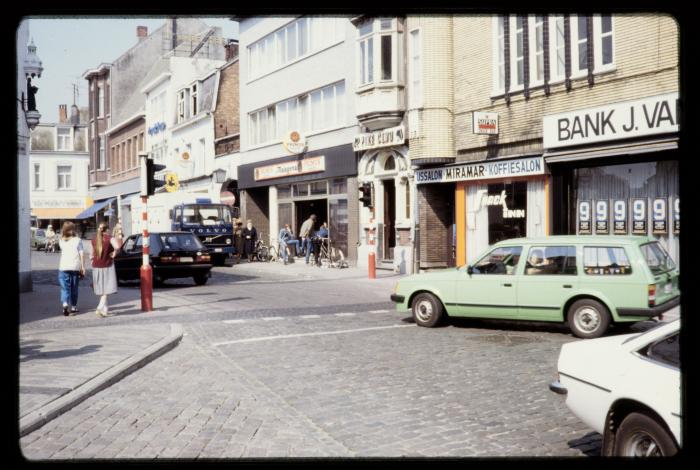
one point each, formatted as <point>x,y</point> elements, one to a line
<point>338,186</point>
<point>507,210</point>
<point>544,260</point>
<point>605,260</point>
<point>502,260</point>
<point>284,191</point>
<point>318,188</point>
<point>300,190</point>
<point>338,224</point>
<point>284,214</point>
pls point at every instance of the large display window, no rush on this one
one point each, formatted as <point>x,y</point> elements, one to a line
<point>507,210</point>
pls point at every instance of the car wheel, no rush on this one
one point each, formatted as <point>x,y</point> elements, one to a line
<point>201,279</point>
<point>588,318</point>
<point>427,310</point>
<point>640,435</point>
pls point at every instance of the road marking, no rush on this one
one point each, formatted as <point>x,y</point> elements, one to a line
<point>345,314</point>
<point>272,318</point>
<point>299,335</point>
<point>235,321</point>
<point>310,316</point>
<point>378,311</point>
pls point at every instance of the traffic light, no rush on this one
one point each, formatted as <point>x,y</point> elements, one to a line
<point>151,181</point>
<point>367,193</point>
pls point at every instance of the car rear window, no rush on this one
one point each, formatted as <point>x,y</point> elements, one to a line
<point>180,241</point>
<point>606,260</point>
<point>665,350</point>
<point>657,258</point>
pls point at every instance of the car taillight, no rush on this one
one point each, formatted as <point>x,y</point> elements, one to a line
<point>652,295</point>
<point>203,258</point>
<point>169,259</point>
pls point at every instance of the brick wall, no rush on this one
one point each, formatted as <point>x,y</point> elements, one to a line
<point>646,64</point>
<point>255,206</point>
<point>124,166</point>
<point>226,116</point>
<point>435,207</point>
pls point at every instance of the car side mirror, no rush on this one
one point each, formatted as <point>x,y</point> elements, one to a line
<point>470,270</point>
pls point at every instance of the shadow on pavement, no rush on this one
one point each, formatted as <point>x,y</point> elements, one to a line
<point>590,444</point>
<point>34,352</point>
<point>488,324</point>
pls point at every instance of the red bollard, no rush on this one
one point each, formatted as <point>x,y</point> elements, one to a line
<point>372,266</point>
<point>146,288</point>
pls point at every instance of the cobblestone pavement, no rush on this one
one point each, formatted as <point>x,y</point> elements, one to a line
<point>321,367</point>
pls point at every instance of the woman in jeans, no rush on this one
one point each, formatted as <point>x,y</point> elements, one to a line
<point>104,276</point>
<point>70,268</point>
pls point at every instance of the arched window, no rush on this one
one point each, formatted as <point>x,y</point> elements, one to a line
<point>390,163</point>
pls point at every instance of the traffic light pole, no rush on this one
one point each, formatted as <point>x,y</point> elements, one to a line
<point>146,272</point>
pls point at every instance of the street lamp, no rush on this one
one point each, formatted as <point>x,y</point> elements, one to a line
<point>219,175</point>
<point>32,68</point>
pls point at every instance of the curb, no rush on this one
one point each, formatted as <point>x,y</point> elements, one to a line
<point>57,407</point>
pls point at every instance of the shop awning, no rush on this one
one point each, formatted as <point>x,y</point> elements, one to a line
<point>56,212</point>
<point>629,148</point>
<point>92,210</point>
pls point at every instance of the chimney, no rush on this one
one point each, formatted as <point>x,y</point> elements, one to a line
<point>142,32</point>
<point>231,49</point>
<point>62,113</point>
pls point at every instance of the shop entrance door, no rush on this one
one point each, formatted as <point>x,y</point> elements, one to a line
<point>389,237</point>
<point>305,208</point>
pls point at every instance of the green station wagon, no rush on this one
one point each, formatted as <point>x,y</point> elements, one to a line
<point>588,282</point>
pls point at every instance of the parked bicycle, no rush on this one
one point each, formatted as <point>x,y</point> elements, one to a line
<point>263,252</point>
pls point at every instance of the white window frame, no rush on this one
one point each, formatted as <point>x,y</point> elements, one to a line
<point>37,177</point>
<point>532,42</point>
<point>365,59</point>
<point>514,86</point>
<point>415,73</point>
<point>375,37</point>
<point>599,67</point>
<point>100,101</point>
<point>498,50</point>
<point>576,72</point>
<point>67,140</point>
<point>554,76</point>
<point>68,182</point>
<point>101,156</point>
<point>194,105</point>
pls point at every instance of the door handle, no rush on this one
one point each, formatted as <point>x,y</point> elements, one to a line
<point>567,286</point>
<point>507,285</point>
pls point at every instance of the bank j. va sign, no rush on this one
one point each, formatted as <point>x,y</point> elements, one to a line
<point>648,116</point>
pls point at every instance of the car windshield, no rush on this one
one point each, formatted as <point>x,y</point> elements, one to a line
<point>206,214</point>
<point>657,258</point>
<point>180,241</point>
<point>39,233</point>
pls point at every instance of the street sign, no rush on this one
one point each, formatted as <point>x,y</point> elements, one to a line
<point>172,184</point>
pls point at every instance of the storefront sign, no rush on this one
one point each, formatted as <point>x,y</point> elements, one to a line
<point>648,116</point>
<point>639,216</point>
<point>484,123</point>
<point>377,139</point>
<point>620,217</point>
<point>601,217</point>
<point>500,200</point>
<point>156,128</point>
<point>280,170</point>
<point>659,216</point>
<point>57,203</point>
<point>676,216</point>
<point>482,171</point>
<point>584,217</point>
<point>294,142</point>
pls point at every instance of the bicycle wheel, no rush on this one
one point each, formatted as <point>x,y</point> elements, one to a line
<point>262,254</point>
<point>272,253</point>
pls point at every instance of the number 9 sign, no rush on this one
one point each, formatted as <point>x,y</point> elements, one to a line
<point>639,216</point>
<point>676,216</point>
<point>584,217</point>
<point>620,217</point>
<point>660,216</point>
<point>601,217</point>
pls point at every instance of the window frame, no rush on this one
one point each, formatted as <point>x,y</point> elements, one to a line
<point>514,86</point>
<point>544,250</point>
<point>100,101</point>
<point>193,99</point>
<point>598,35</point>
<point>575,42</point>
<point>532,42</point>
<point>554,76</point>
<point>596,247</point>
<point>101,161</point>
<point>68,177</point>
<point>375,59</point>
<point>415,93</point>
<point>515,267</point>
<point>65,138</point>
<point>36,177</point>
<point>498,51</point>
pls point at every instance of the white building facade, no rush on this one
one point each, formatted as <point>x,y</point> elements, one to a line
<point>297,125</point>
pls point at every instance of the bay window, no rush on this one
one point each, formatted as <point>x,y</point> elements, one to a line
<point>378,43</point>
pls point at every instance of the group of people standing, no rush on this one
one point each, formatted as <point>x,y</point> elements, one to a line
<point>308,243</point>
<point>244,239</point>
<point>71,267</point>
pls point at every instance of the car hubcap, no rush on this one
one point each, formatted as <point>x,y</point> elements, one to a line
<point>587,319</point>
<point>642,445</point>
<point>424,310</point>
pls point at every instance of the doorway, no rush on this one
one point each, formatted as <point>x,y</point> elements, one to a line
<point>305,208</point>
<point>389,235</point>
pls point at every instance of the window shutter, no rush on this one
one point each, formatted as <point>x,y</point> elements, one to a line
<point>526,56</point>
<point>506,56</point>
<point>589,49</point>
<point>567,52</point>
<point>545,40</point>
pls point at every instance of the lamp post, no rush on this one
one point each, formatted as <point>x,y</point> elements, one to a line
<point>32,68</point>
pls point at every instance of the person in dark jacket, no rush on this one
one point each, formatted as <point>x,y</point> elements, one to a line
<point>250,236</point>
<point>238,240</point>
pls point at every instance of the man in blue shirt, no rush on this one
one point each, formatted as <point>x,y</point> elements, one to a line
<point>286,238</point>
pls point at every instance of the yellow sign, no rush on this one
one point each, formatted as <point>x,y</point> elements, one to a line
<point>171,182</point>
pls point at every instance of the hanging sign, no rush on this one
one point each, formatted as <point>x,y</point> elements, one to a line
<point>620,217</point>
<point>172,183</point>
<point>639,216</point>
<point>484,123</point>
<point>601,217</point>
<point>659,216</point>
<point>294,142</point>
<point>584,217</point>
<point>676,216</point>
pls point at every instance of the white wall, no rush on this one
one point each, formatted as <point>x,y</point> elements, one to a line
<point>49,191</point>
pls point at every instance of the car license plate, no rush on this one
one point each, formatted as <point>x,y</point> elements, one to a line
<point>218,249</point>
<point>667,288</point>
<point>186,259</point>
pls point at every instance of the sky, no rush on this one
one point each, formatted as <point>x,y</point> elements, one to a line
<point>68,46</point>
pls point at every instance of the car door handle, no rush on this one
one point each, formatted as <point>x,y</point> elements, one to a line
<point>567,286</point>
<point>507,285</point>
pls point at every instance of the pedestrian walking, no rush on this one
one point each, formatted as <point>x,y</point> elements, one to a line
<point>305,234</point>
<point>71,267</point>
<point>104,276</point>
<point>118,232</point>
<point>250,236</point>
<point>238,240</point>
<point>49,244</point>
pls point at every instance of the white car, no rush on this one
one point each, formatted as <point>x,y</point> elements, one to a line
<point>627,388</point>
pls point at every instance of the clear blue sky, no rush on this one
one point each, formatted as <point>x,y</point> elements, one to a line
<point>68,46</point>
